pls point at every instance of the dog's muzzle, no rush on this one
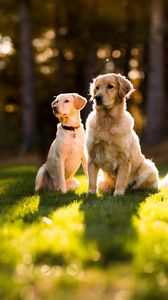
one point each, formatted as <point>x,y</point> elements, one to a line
<point>99,100</point>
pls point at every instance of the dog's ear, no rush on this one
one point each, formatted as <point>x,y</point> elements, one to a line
<point>125,87</point>
<point>92,87</point>
<point>53,102</point>
<point>79,101</point>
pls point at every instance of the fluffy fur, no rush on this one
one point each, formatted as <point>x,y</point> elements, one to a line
<point>112,146</point>
<point>67,150</point>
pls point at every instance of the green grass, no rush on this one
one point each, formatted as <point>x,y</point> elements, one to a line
<point>75,246</point>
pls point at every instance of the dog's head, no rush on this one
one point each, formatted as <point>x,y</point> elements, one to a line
<point>110,88</point>
<point>67,104</point>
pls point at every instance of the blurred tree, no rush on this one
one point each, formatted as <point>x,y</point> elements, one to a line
<point>61,29</point>
<point>72,42</point>
<point>155,104</point>
<point>28,97</point>
<point>76,46</point>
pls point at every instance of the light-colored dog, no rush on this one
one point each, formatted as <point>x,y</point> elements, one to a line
<point>67,151</point>
<point>112,145</point>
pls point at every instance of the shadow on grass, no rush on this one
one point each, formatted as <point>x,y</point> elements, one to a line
<point>108,223</point>
<point>51,201</point>
<point>103,221</point>
<point>107,219</point>
<point>16,182</point>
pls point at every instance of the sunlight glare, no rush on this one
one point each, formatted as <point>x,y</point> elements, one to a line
<point>133,63</point>
<point>68,54</point>
<point>46,70</point>
<point>134,74</point>
<point>6,46</point>
<point>47,220</point>
<point>116,53</point>
<point>103,52</point>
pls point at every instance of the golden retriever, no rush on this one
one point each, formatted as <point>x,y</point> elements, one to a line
<point>67,150</point>
<point>112,145</point>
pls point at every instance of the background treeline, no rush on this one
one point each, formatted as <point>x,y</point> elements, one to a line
<point>56,46</point>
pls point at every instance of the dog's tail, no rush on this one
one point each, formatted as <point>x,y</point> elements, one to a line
<point>43,179</point>
<point>164,182</point>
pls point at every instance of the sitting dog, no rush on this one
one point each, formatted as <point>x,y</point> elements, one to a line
<point>67,151</point>
<point>112,145</point>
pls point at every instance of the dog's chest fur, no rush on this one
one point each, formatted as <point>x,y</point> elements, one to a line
<point>105,156</point>
<point>109,144</point>
<point>72,143</point>
<point>72,150</point>
<point>106,149</point>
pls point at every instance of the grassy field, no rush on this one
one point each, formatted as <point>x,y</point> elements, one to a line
<point>74,246</point>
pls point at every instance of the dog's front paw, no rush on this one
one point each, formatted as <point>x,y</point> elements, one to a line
<point>118,192</point>
<point>63,190</point>
<point>72,184</point>
<point>60,189</point>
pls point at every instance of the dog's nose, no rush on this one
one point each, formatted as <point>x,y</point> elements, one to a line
<point>99,99</point>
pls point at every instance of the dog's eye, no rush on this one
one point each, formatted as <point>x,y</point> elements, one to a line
<point>110,86</point>
<point>97,87</point>
<point>66,101</point>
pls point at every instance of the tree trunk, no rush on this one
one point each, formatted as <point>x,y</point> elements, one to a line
<point>60,17</point>
<point>155,106</point>
<point>28,97</point>
<point>88,72</point>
